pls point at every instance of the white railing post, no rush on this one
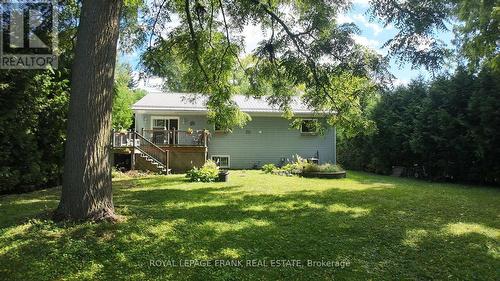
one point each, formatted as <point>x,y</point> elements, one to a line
<point>132,162</point>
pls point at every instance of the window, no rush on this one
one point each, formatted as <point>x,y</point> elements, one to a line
<point>159,125</point>
<point>309,127</point>
<point>165,123</point>
<point>221,160</point>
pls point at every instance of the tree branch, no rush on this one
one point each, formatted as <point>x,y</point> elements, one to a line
<point>155,21</point>
<point>228,46</point>
<point>228,38</point>
<point>295,39</point>
<point>194,42</point>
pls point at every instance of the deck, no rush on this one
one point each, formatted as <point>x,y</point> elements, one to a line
<point>169,150</point>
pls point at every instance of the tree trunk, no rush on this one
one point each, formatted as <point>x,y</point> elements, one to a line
<point>86,192</point>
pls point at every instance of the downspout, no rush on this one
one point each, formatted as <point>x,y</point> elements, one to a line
<point>334,145</point>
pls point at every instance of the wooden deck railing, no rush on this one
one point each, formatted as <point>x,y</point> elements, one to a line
<point>176,137</point>
<point>123,139</point>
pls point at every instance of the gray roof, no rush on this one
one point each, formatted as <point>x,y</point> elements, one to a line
<point>159,101</point>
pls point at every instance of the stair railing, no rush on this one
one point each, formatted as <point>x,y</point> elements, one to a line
<point>152,150</point>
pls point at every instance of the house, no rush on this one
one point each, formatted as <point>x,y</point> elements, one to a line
<point>172,133</point>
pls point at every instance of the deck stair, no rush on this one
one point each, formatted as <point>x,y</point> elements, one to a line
<point>154,157</point>
<point>160,167</point>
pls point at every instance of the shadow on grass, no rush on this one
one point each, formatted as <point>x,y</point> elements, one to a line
<point>383,229</point>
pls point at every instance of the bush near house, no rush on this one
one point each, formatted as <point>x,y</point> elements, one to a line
<point>269,168</point>
<point>208,173</point>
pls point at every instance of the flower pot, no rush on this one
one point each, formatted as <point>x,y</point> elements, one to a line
<point>223,176</point>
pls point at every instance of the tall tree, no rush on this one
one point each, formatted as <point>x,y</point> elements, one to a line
<point>479,32</point>
<point>124,97</point>
<point>86,192</point>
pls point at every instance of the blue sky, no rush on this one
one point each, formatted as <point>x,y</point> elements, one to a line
<point>372,34</point>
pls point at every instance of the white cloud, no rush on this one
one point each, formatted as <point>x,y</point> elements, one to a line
<point>169,26</point>
<point>376,28</point>
<point>370,43</point>
<point>152,83</point>
<point>343,18</point>
<point>253,34</point>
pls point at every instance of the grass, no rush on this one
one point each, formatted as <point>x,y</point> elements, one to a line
<point>381,228</point>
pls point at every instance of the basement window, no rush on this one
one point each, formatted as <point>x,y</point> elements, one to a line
<point>221,160</point>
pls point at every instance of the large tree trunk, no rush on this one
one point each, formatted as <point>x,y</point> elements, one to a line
<point>86,192</point>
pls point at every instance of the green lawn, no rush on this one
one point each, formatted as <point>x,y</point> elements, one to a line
<point>382,228</point>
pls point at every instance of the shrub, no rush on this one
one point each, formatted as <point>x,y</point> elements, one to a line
<point>292,168</point>
<point>311,168</point>
<point>330,168</point>
<point>116,174</point>
<point>315,168</point>
<point>300,166</point>
<point>208,173</point>
<point>269,168</point>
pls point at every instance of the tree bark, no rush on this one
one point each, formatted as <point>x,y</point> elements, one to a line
<point>86,192</point>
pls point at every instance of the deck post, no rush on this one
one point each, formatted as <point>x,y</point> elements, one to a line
<point>167,157</point>
<point>205,140</point>
<point>132,158</point>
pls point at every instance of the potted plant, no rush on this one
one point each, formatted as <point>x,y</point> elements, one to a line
<point>189,131</point>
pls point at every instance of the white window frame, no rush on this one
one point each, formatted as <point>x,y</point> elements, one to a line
<point>222,156</point>
<point>165,117</point>
<point>308,133</point>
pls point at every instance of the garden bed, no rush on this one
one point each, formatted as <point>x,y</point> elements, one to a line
<point>307,170</point>
<point>325,175</point>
